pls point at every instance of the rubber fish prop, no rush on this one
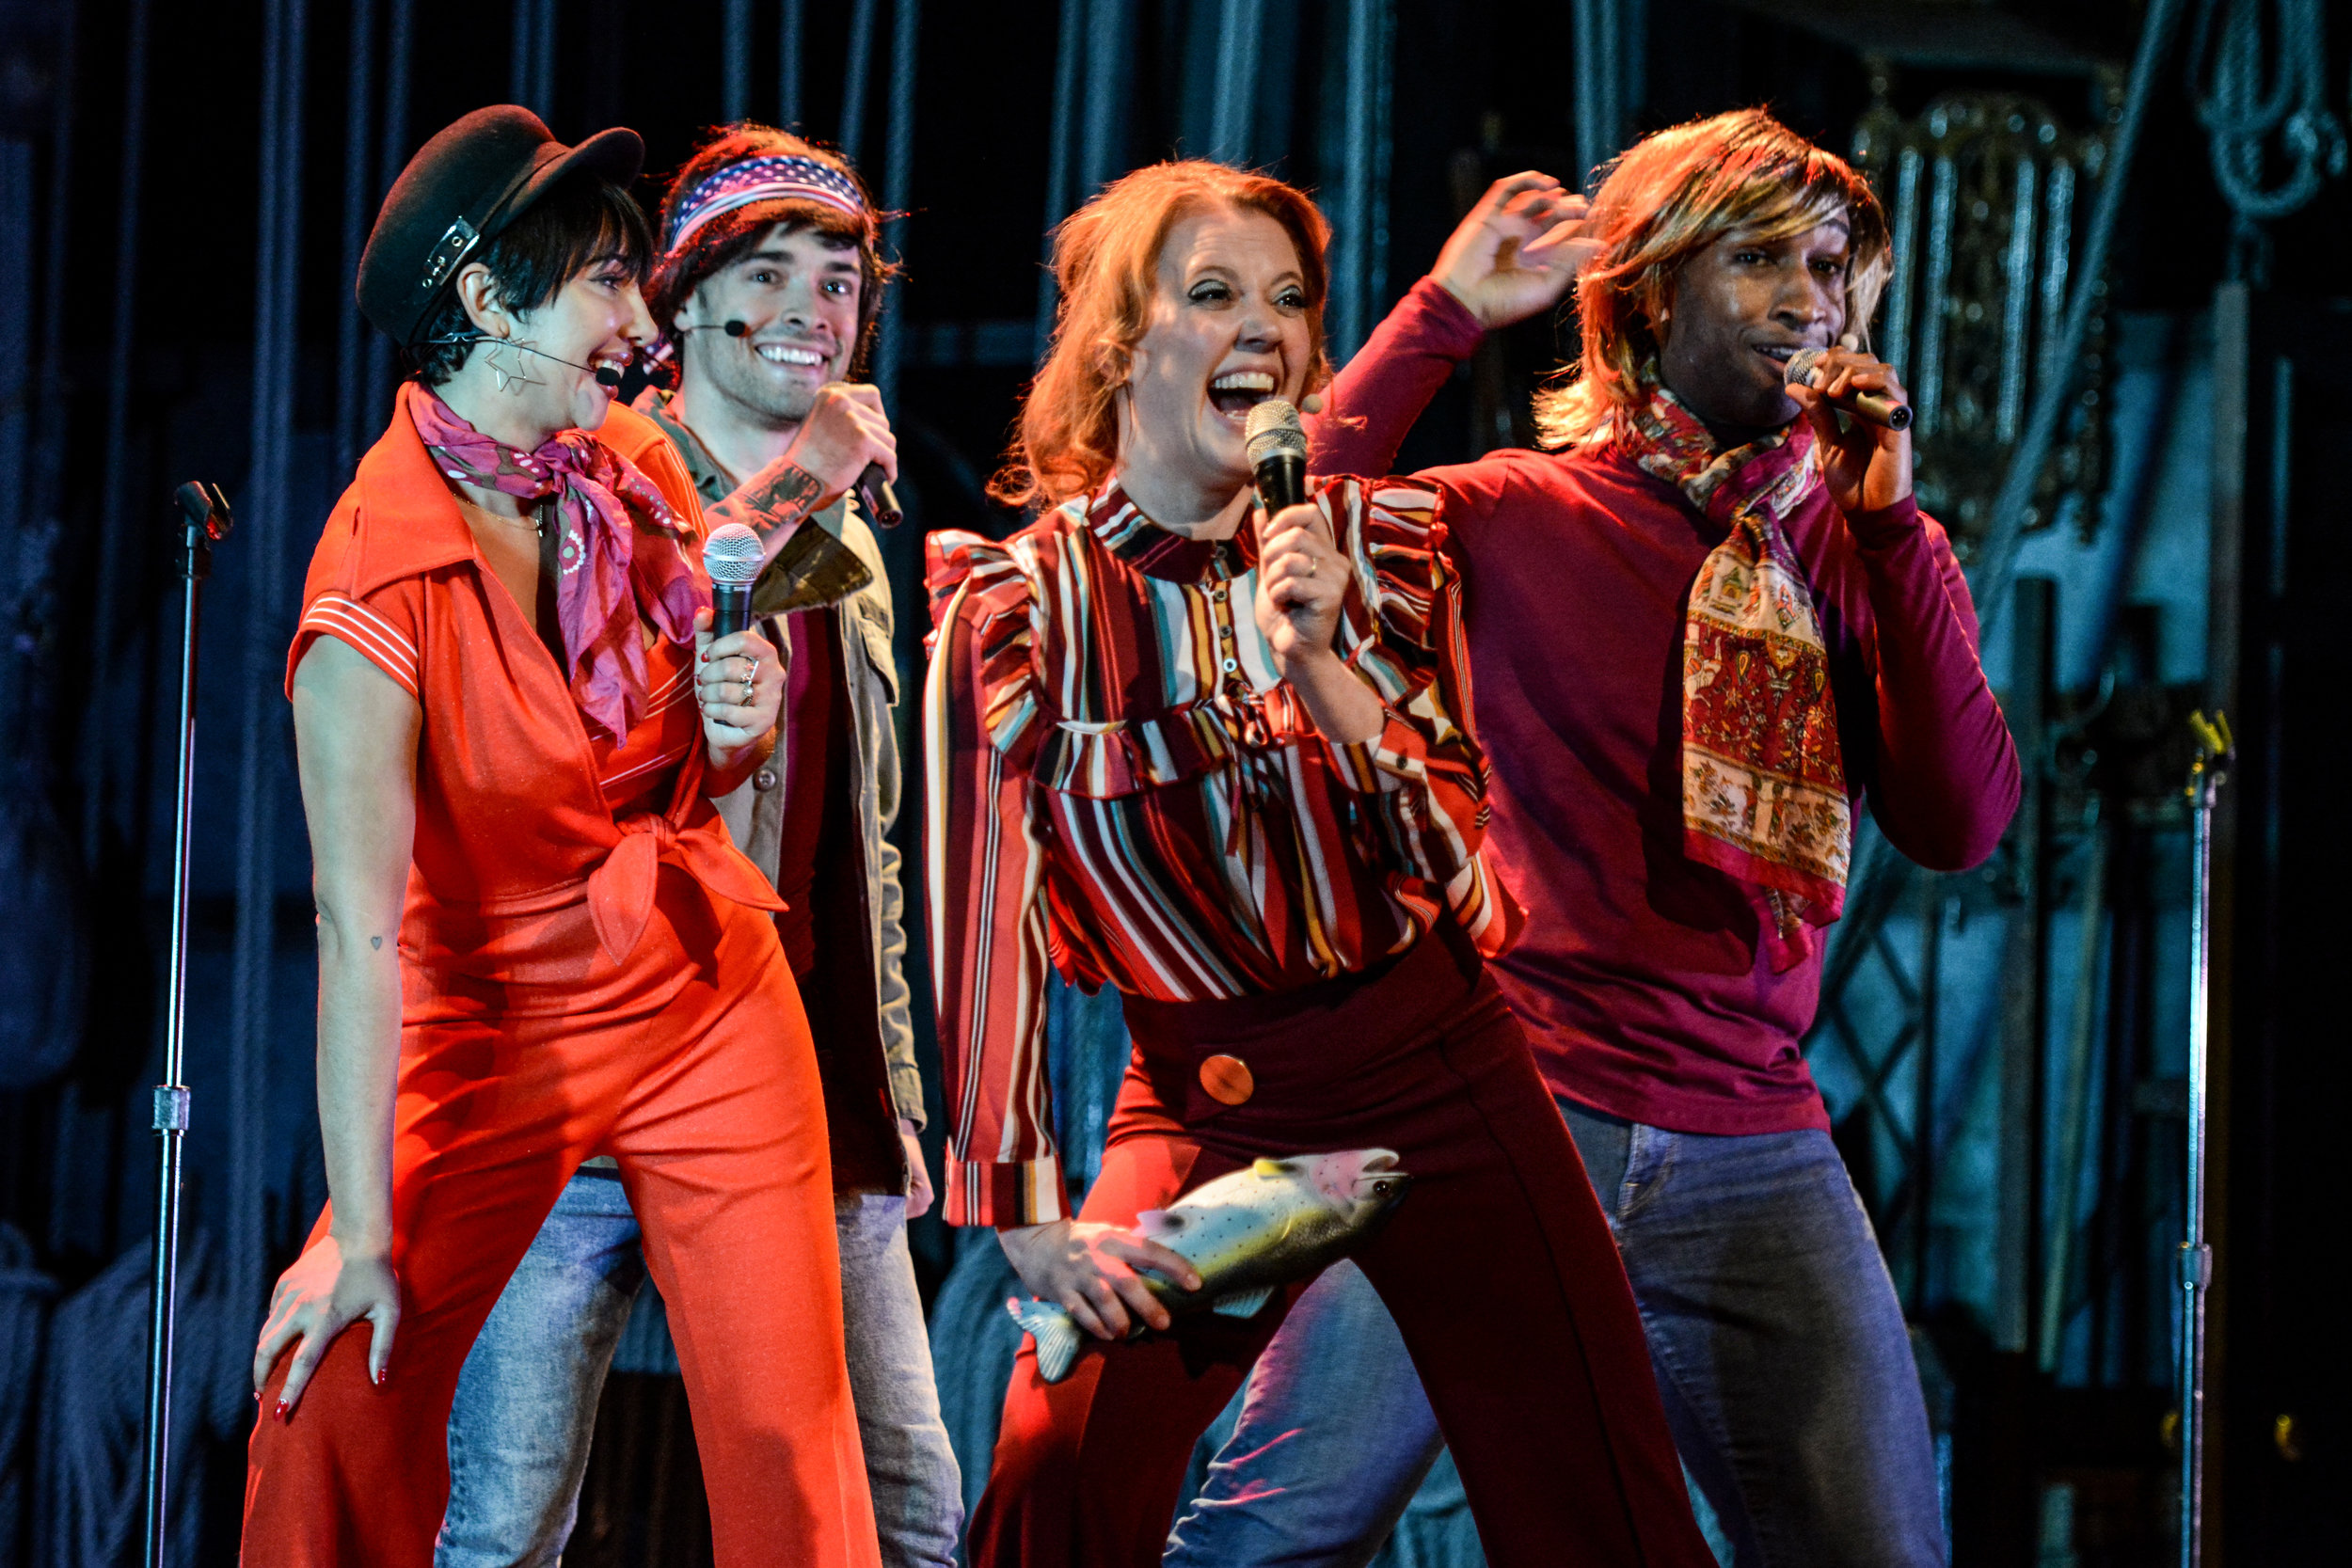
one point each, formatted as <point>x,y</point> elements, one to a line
<point>1248,1234</point>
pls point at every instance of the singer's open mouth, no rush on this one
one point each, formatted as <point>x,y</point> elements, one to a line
<point>1236,392</point>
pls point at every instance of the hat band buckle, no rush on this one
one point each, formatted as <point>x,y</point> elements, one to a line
<point>449,249</point>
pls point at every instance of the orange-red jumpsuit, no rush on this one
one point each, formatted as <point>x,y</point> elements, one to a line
<point>588,966</point>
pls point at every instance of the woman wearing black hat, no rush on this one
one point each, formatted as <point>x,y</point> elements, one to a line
<point>536,943</point>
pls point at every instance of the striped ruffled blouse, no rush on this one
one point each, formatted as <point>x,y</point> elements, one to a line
<point>1120,783</point>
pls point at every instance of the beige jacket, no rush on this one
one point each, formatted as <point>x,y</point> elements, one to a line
<point>857,996</point>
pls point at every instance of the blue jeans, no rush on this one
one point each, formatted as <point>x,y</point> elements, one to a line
<point>526,1408</point>
<point>1779,1348</point>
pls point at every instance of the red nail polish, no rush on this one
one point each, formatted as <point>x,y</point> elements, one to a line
<point>282,1410</point>
<point>383,1377</point>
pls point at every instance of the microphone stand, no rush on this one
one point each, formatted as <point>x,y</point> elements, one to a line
<point>205,520</point>
<point>2215,751</point>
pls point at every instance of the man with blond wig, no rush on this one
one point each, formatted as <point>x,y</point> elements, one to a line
<point>1702,625</point>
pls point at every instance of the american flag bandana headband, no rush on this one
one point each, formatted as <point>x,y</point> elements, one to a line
<point>788,178</point>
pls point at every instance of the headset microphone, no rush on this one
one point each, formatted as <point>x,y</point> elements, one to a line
<point>607,377</point>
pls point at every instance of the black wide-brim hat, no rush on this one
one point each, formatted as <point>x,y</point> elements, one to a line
<point>472,180</point>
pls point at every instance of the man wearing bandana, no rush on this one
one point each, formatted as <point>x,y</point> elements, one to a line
<point>1703,626</point>
<point>766,290</point>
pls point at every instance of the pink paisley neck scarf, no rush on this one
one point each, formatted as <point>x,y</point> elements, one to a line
<point>1763,778</point>
<point>617,555</point>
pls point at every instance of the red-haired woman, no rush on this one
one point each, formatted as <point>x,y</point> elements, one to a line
<point>1220,762</point>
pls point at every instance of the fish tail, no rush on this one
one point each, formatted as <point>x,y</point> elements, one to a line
<point>1055,1333</point>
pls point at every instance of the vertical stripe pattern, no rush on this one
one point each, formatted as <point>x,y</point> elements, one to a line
<point>1121,785</point>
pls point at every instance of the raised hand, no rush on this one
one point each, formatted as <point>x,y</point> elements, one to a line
<point>846,429</point>
<point>1865,465</point>
<point>1519,251</point>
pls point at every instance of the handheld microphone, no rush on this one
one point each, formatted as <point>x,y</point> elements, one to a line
<point>1277,445</point>
<point>876,498</point>
<point>732,557</point>
<point>1877,407</point>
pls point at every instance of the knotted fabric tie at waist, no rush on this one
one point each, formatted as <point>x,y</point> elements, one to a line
<point>620,892</point>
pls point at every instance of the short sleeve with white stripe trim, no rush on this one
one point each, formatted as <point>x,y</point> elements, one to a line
<point>384,627</point>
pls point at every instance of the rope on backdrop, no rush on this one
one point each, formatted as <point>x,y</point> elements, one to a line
<point>263,719</point>
<point>2241,111</point>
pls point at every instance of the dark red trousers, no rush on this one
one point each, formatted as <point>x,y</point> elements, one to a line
<point>1497,1266</point>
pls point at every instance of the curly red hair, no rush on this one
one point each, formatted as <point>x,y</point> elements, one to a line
<point>1107,260</point>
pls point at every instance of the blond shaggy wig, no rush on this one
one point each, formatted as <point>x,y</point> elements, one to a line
<point>1670,196</point>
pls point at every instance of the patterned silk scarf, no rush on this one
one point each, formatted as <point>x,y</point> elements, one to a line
<point>1763,779</point>
<point>606,576</point>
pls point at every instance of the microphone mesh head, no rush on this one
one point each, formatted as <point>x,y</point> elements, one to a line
<point>731,555</point>
<point>1800,367</point>
<point>1273,427</point>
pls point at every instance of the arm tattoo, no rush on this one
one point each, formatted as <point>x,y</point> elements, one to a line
<point>375,943</point>
<point>773,507</point>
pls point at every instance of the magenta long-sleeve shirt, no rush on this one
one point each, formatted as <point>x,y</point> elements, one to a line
<point>1638,976</point>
